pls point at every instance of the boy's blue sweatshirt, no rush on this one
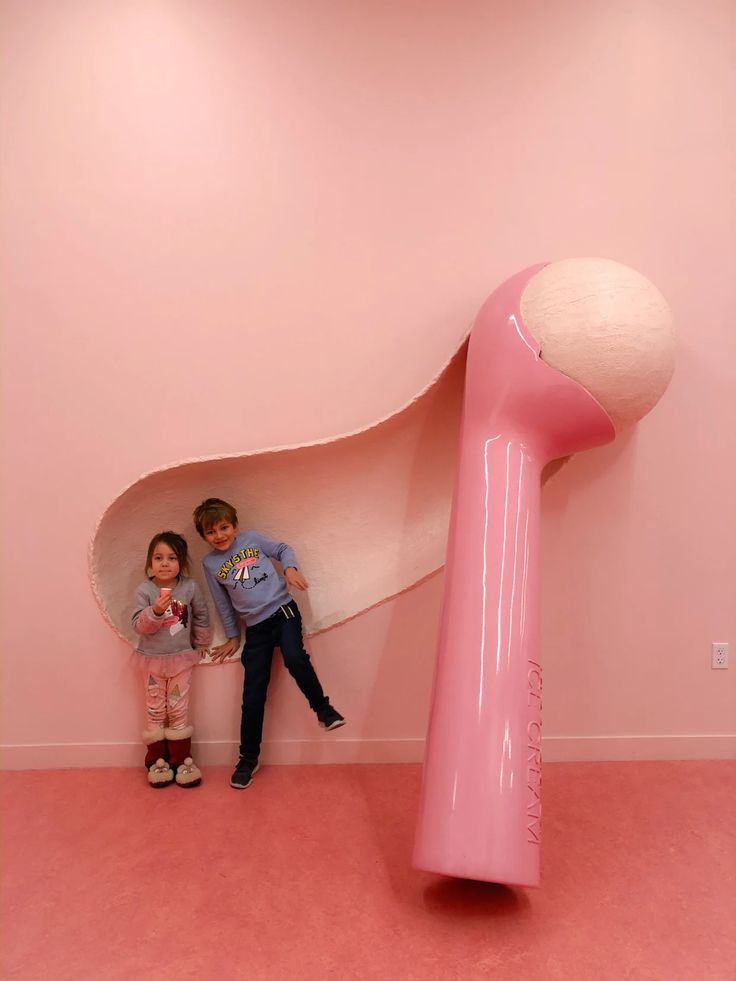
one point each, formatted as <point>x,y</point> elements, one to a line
<point>244,582</point>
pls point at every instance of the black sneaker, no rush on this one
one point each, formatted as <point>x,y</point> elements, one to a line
<point>243,775</point>
<point>329,718</point>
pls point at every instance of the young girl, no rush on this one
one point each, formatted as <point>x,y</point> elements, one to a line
<point>173,622</point>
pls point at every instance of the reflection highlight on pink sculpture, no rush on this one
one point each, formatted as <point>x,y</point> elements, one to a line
<point>608,332</point>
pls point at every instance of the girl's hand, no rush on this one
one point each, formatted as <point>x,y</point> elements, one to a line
<point>203,652</point>
<point>162,603</point>
<point>225,650</point>
<point>295,578</point>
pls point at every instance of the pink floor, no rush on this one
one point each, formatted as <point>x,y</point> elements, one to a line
<point>306,875</point>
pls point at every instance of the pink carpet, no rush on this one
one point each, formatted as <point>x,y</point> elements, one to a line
<point>306,875</point>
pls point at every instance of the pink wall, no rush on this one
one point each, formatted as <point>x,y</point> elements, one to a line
<point>333,189</point>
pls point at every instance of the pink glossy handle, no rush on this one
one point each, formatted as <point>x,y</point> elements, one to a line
<point>480,806</point>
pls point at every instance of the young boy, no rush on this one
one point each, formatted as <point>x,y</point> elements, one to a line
<point>245,584</point>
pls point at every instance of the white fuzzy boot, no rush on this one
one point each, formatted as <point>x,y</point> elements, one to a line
<point>187,772</point>
<point>160,773</point>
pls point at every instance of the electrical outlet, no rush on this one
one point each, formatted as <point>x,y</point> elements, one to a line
<point>719,655</point>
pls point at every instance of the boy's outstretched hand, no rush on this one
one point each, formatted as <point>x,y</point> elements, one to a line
<point>295,578</point>
<point>225,650</point>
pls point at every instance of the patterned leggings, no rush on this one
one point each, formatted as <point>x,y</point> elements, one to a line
<point>167,699</point>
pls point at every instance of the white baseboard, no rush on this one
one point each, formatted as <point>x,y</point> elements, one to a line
<point>578,749</point>
<point>330,748</point>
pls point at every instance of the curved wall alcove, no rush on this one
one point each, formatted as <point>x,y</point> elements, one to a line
<point>366,512</point>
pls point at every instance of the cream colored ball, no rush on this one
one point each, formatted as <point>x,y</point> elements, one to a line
<point>607,327</point>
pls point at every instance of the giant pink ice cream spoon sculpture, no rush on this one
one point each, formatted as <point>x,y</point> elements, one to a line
<point>606,341</point>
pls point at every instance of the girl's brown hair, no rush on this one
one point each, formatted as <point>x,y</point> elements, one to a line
<point>178,546</point>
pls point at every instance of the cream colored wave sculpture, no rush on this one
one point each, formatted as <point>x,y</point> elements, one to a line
<point>383,493</point>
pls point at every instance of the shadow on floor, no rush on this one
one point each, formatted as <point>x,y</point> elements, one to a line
<point>464,898</point>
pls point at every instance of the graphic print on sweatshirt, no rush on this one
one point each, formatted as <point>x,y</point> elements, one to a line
<point>244,567</point>
<point>176,616</point>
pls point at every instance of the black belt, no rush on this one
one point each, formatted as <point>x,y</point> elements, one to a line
<point>289,611</point>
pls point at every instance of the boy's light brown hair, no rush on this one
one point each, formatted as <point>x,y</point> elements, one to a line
<point>212,511</point>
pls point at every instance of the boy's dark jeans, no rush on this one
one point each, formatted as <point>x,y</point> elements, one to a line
<point>283,630</point>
